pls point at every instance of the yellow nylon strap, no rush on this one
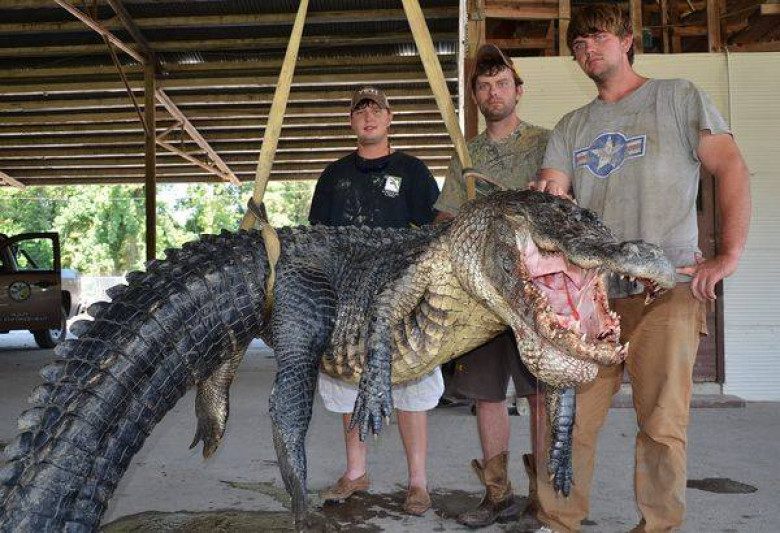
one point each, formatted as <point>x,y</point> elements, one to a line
<point>268,150</point>
<point>422,37</point>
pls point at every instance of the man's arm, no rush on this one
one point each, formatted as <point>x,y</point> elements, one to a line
<point>720,156</point>
<point>554,182</point>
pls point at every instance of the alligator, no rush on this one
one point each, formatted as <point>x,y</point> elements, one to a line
<point>374,307</point>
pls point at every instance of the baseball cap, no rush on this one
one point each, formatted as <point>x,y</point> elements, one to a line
<point>369,93</point>
<point>490,55</point>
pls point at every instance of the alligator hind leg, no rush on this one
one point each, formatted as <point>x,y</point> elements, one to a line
<point>561,407</point>
<point>302,322</point>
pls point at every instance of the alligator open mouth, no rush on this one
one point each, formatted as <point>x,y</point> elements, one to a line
<point>570,305</point>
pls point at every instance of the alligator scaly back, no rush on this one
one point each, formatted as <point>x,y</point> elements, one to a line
<point>170,327</point>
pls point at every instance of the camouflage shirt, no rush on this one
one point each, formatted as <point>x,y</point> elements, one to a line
<point>513,162</point>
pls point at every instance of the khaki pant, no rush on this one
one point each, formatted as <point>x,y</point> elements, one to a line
<point>664,340</point>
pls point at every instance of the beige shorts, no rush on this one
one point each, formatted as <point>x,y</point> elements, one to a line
<point>419,395</point>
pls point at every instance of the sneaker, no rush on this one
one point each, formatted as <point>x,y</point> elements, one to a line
<point>345,487</point>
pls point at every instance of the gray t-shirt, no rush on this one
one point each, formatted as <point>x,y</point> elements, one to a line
<point>512,162</point>
<point>634,162</point>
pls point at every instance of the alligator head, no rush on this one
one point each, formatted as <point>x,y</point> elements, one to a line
<point>540,263</point>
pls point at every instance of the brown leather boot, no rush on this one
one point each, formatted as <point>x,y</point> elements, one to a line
<point>532,503</point>
<point>498,503</point>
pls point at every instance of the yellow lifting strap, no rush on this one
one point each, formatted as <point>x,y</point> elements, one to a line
<point>422,37</point>
<point>268,151</point>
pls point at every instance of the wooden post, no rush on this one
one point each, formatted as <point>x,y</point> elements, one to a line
<point>476,38</point>
<point>564,15</point>
<point>665,33</point>
<point>635,11</point>
<point>674,20</point>
<point>714,41</point>
<point>150,186</point>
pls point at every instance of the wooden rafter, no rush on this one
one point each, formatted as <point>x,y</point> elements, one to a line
<point>89,21</point>
<point>135,33</point>
<point>313,41</point>
<point>195,135</point>
<point>250,19</point>
<point>5,179</point>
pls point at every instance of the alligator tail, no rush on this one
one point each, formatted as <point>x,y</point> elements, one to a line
<point>170,327</point>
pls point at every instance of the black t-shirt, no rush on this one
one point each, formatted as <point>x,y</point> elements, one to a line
<point>394,191</point>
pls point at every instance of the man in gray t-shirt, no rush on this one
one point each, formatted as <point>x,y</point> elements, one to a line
<point>633,155</point>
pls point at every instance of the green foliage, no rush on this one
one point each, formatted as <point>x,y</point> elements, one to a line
<point>102,227</point>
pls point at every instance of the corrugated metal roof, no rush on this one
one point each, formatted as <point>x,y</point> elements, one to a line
<point>65,115</point>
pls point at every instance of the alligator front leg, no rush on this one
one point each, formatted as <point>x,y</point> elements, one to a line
<point>561,407</point>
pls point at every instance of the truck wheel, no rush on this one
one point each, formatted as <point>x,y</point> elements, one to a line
<point>49,338</point>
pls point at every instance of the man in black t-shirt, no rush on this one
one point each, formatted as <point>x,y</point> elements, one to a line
<point>378,187</point>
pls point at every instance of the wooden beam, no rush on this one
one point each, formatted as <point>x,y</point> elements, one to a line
<point>175,112</point>
<point>249,135</point>
<point>674,20</point>
<point>92,24</point>
<point>167,159</point>
<point>246,20</point>
<point>248,81</point>
<point>292,146</point>
<point>259,66</point>
<point>197,162</point>
<point>522,11</point>
<point>295,115</point>
<point>150,166</point>
<point>772,46</point>
<point>521,43</point>
<point>666,35</point>
<point>5,179</point>
<point>635,11</point>
<point>311,124</point>
<point>135,33</point>
<point>714,38</point>
<point>264,43</point>
<point>770,9</point>
<point>211,100</point>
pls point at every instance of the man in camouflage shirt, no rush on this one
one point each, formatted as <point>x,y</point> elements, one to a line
<point>510,152</point>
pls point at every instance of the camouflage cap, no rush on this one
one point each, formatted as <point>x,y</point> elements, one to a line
<point>490,56</point>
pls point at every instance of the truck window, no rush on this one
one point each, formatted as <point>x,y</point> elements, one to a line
<point>34,254</point>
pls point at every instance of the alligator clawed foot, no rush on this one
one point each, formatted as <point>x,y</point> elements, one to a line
<point>372,407</point>
<point>210,439</point>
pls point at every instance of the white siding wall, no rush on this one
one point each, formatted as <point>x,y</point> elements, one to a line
<point>746,88</point>
<point>753,293</point>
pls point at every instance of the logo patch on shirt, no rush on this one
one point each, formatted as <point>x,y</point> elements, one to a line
<point>608,152</point>
<point>392,186</point>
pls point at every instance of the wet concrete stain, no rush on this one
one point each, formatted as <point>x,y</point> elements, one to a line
<point>721,485</point>
<point>353,515</point>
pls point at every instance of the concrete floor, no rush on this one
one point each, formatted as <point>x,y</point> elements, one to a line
<point>171,488</point>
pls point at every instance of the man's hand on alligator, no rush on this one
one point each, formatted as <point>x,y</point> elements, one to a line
<point>370,306</point>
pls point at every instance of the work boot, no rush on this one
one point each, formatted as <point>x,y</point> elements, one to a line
<point>532,503</point>
<point>499,503</point>
<point>345,487</point>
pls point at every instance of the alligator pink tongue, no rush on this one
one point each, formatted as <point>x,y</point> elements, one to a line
<point>569,292</point>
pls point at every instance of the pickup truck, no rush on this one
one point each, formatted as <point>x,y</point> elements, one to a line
<point>36,294</point>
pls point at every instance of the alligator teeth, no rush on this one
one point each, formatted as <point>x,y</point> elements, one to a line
<point>584,336</point>
<point>648,298</point>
